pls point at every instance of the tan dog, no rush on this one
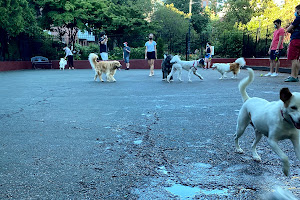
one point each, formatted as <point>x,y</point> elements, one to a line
<point>107,67</point>
<point>277,120</point>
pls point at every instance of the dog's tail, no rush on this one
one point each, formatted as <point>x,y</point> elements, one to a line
<point>241,62</point>
<point>244,83</point>
<point>93,59</point>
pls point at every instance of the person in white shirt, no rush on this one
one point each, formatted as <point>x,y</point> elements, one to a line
<point>69,55</point>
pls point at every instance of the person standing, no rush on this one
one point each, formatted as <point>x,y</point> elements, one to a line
<point>69,55</point>
<point>103,46</point>
<point>208,52</point>
<point>150,53</point>
<point>294,47</point>
<point>126,54</point>
<point>276,48</point>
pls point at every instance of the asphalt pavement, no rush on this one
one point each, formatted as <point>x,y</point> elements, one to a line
<point>65,136</point>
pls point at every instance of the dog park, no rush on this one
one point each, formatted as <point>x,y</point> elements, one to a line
<point>66,136</point>
<point>82,117</point>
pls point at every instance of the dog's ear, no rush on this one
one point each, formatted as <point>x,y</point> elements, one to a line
<point>285,95</point>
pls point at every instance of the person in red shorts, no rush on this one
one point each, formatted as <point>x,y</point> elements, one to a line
<point>276,48</point>
<point>294,47</point>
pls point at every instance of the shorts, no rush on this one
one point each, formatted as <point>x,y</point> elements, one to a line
<point>273,54</point>
<point>126,59</point>
<point>104,56</point>
<point>151,55</point>
<point>207,55</point>
<point>294,50</point>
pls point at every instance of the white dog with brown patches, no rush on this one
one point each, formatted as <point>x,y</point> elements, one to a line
<point>278,120</point>
<point>234,67</point>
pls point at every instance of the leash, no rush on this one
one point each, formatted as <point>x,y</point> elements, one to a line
<point>195,61</point>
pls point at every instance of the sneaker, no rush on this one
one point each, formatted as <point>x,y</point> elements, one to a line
<point>291,79</point>
<point>268,74</point>
<point>127,68</point>
<point>274,74</point>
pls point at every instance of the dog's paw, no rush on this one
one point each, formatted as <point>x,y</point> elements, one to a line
<point>239,150</point>
<point>286,168</point>
<point>257,158</point>
<point>286,171</point>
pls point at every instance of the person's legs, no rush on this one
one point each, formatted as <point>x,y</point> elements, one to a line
<point>149,63</point>
<point>206,61</point>
<point>127,62</point>
<point>293,55</point>
<point>277,65</point>
<point>272,63</point>
<point>152,67</point>
<point>295,68</point>
<point>71,61</point>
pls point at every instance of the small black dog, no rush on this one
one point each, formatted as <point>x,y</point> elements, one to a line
<point>166,66</point>
<point>201,62</point>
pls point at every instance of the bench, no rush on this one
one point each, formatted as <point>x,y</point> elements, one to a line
<point>41,62</point>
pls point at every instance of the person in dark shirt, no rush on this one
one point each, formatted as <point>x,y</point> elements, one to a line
<point>294,47</point>
<point>103,46</point>
<point>126,54</point>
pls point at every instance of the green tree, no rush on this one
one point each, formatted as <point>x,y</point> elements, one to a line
<point>171,27</point>
<point>238,11</point>
<point>67,17</point>
<point>128,23</point>
<point>17,17</point>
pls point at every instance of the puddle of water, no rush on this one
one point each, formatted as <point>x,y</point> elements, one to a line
<point>187,192</point>
<point>184,192</point>
<point>202,165</point>
<point>138,142</point>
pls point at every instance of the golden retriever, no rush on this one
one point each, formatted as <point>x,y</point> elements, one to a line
<point>107,67</point>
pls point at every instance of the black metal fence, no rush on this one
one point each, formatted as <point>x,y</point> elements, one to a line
<point>234,44</point>
<point>228,44</point>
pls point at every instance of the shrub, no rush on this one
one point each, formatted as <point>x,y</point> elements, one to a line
<point>82,52</point>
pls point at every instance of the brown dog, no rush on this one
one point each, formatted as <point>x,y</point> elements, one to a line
<point>107,67</point>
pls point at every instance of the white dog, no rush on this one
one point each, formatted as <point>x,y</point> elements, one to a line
<point>223,68</point>
<point>62,64</point>
<point>277,120</point>
<point>178,65</point>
